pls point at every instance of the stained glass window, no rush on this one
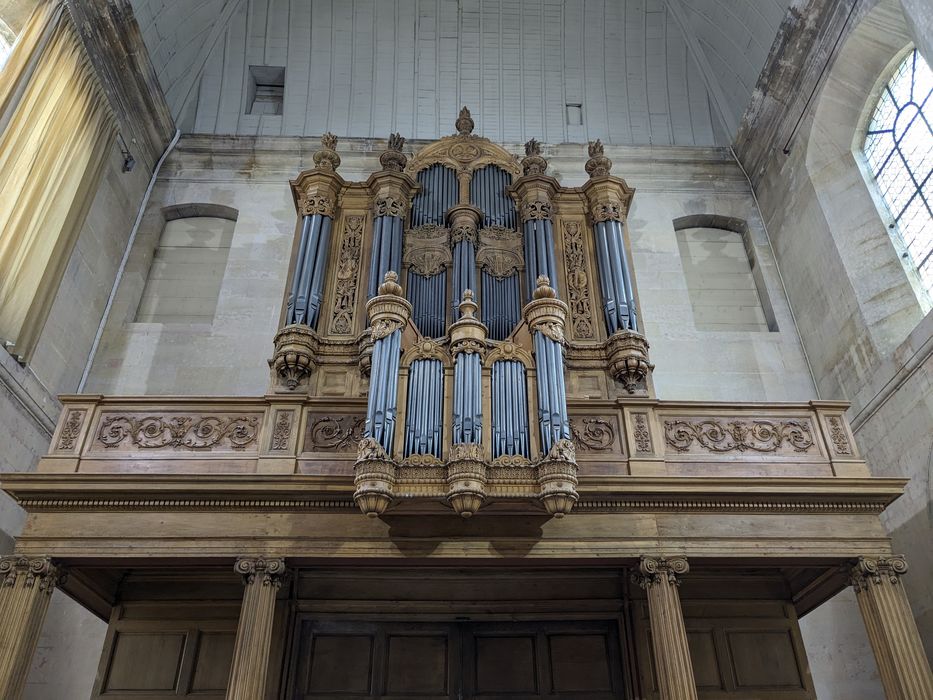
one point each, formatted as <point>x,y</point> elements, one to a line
<point>899,148</point>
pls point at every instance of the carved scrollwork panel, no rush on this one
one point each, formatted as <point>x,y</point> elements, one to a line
<point>333,433</point>
<point>838,436</point>
<point>192,432</point>
<point>500,251</point>
<point>642,433</point>
<point>347,276</point>
<point>71,431</point>
<point>578,282</point>
<point>724,435</point>
<point>427,249</point>
<point>593,434</point>
<point>281,430</point>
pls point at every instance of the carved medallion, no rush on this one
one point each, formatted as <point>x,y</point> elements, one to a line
<point>578,284</point>
<point>348,267</point>
<point>337,433</point>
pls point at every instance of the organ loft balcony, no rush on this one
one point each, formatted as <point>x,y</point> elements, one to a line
<point>462,358</point>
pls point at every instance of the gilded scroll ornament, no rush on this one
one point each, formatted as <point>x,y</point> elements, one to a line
<point>337,433</point>
<point>578,283</point>
<point>538,209</point>
<point>641,434</point>
<point>596,434</point>
<point>427,250</point>
<point>282,430</point>
<point>598,165</point>
<point>392,159</point>
<point>192,432</point>
<point>310,204</point>
<point>390,206</point>
<point>500,251</point>
<point>757,435</point>
<point>327,158</point>
<point>837,433</point>
<point>348,266</point>
<point>72,429</point>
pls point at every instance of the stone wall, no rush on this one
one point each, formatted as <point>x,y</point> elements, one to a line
<point>860,320</point>
<point>228,356</point>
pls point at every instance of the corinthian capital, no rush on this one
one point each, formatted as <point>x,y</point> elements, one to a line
<point>654,570</point>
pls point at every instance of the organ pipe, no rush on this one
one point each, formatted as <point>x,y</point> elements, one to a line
<point>428,296</point>
<point>467,339</point>
<point>424,418</point>
<point>501,304</point>
<point>438,194</point>
<point>509,409</point>
<point>304,302</point>
<point>489,193</point>
<point>386,251</point>
<point>539,251</point>
<point>615,278</point>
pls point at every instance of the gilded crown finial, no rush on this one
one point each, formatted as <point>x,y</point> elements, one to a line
<point>392,158</point>
<point>533,163</point>
<point>464,122</point>
<point>390,285</point>
<point>327,158</point>
<point>598,165</point>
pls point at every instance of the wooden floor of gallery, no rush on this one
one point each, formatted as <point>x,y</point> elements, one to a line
<point>473,632</point>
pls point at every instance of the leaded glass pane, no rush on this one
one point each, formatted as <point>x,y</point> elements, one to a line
<point>899,149</point>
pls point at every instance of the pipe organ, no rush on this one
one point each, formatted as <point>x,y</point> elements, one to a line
<point>484,279</point>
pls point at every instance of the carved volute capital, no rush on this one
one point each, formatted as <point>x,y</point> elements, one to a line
<point>392,204</point>
<point>545,313</point>
<point>468,334</point>
<point>464,123</point>
<point>598,164</point>
<point>388,311</point>
<point>261,571</point>
<point>327,159</point>
<point>655,570</point>
<point>374,478</point>
<point>317,192</point>
<point>39,573</point>
<point>392,159</point>
<point>875,571</point>
<point>533,163</point>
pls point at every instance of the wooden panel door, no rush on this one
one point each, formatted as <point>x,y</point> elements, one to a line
<point>457,661</point>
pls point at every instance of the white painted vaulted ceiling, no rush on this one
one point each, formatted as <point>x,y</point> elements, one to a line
<point>659,72</point>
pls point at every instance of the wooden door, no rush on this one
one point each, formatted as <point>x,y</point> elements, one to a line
<point>457,660</point>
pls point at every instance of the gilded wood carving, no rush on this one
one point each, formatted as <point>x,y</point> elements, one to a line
<point>578,282</point>
<point>715,435</point>
<point>194,432</point>
<point>347,276</point>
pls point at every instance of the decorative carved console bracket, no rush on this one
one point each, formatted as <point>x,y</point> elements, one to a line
<point>627,353</point>
<point>374,478</point>
<point>293,361</point>
<point>557,478</point>
<point>466,479</point>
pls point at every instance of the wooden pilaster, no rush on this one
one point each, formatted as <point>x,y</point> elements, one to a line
<point>26,586</point>
<point>892,630</point>
<point>262,579</point>
<point>659,577</point>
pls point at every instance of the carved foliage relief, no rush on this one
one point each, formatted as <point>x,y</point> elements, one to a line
<point>194,431</point>
<point>578,283</point>
<point>348,267</point>
<point>500,251</point>
<point>72,429</point>
<point>333,433</point>
<point>724,435</point>
<point>281,430</point>
<point>592,434</point>
<point>837,433</point>
<point>427,250</point>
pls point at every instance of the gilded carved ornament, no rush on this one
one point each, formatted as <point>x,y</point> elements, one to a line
<point>347,276</point>
<point>500,251</point>
<point>545,313</point>
<point>508,350</point>
<point>327,159</point>
<point>390,205</point>
<point>427,250</point>
<point>425,349</point>
<point>578,282</point>
<point>607,210</point>
<point>463,231</point>
<point>392,159</point>
<point>536,210</point>
<point>655,570</point>
<point>311,204</point>
<point>598,164</point>
<point>533,163</point>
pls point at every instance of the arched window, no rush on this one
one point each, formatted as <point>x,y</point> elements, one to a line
<point>899,149</point>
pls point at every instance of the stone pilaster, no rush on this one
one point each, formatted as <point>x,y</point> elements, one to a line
<point>262,579</point>
<point>892,630</point>
<point>660,578</point>
<point>26,586</point>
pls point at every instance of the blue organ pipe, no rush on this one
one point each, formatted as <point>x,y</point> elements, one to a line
<point>296,304</point>
<point>549,252</point>
<point>395,349</point>
<point>457,436</point>
<point>438,416</point>
<point>605,279</point>
<point>317,279</point>
<point>627,277</point>
<point>615,265</point>
<point>374,259</point>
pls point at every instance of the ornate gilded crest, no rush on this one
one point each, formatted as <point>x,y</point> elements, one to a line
<point>427,250</point>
